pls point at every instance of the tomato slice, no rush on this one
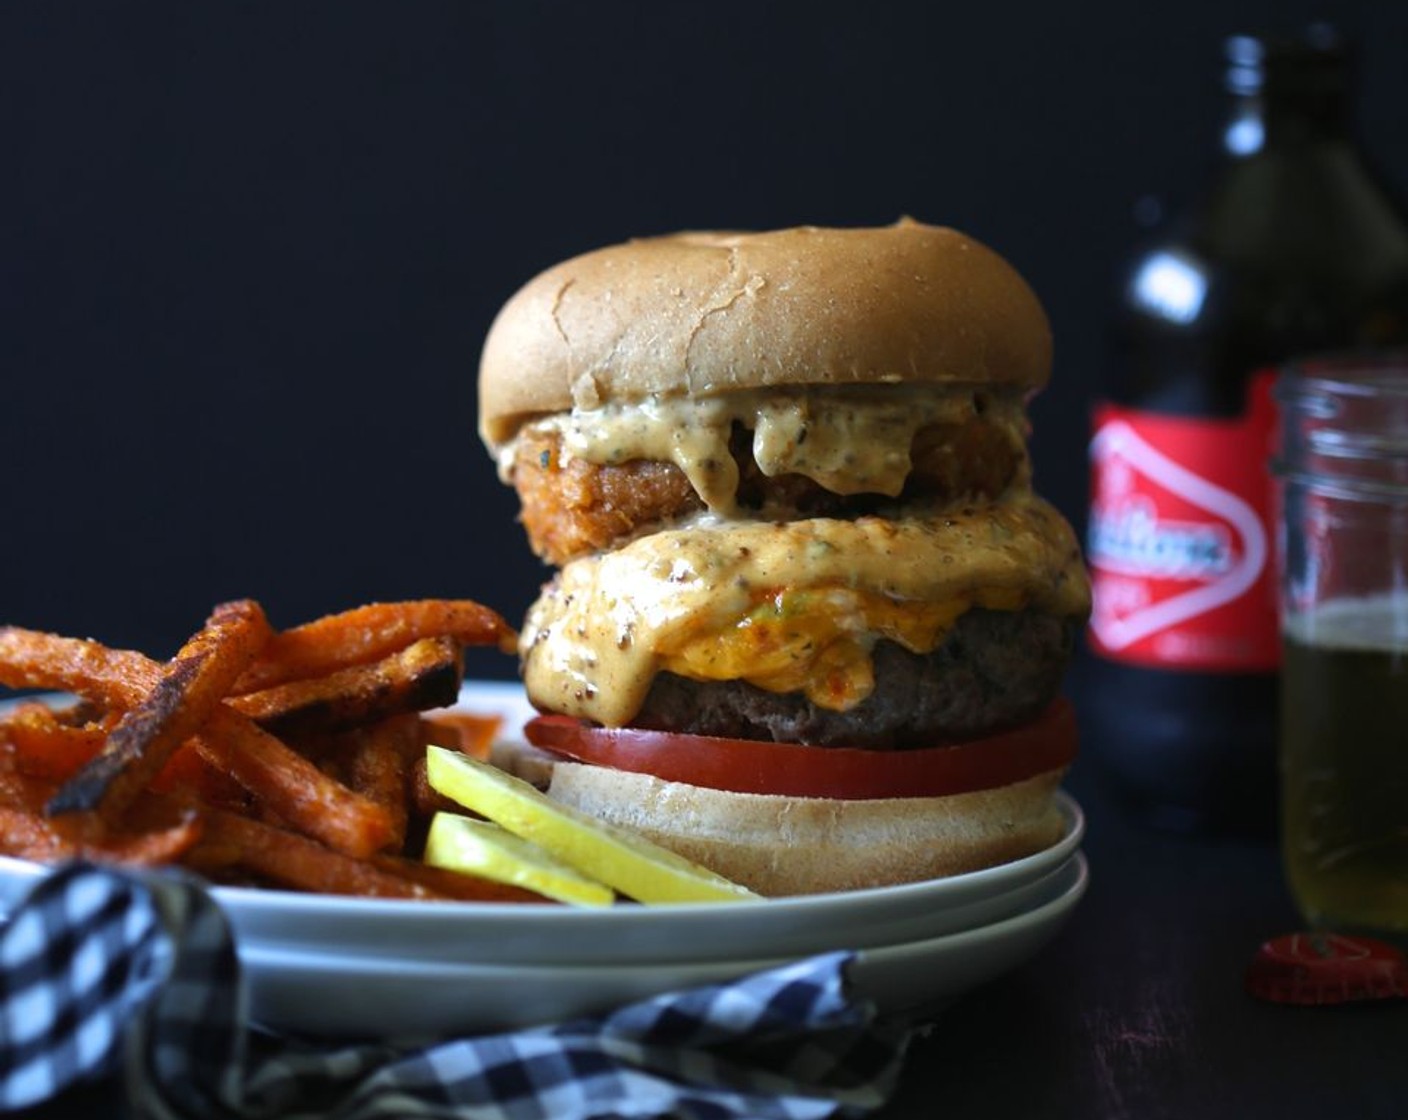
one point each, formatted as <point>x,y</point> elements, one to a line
<point>745,766</point>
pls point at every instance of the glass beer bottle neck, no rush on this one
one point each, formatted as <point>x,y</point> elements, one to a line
<point>1286,92</point>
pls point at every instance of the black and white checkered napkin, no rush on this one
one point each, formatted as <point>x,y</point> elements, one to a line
<point>104,971</point>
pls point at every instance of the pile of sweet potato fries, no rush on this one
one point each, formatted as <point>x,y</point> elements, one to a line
<point>290,758</point>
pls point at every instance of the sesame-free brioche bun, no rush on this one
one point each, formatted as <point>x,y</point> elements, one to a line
<point>706,313</point>
<point>779,846</point>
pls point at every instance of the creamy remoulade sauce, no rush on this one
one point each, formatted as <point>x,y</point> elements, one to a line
<point>794,605</point>
<point>850,441</point>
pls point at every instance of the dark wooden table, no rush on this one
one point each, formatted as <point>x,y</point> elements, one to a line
<point>1137,1009</point>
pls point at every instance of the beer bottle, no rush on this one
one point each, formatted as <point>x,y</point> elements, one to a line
<point>1296,248</point>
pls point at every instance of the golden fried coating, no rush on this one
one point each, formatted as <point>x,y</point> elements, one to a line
<point>575,507</point>
<point>572,507</point>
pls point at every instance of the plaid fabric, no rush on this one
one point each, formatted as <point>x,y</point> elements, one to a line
<point>104,970</point>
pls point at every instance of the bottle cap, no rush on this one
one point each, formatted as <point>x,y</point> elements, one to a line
<point>1316,968</point>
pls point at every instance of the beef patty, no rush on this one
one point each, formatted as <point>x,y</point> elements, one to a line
<point>995,669</point>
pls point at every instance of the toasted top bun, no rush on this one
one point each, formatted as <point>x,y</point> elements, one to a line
<point>709,313</point>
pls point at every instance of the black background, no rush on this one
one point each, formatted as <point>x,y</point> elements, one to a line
<point>249,252</point>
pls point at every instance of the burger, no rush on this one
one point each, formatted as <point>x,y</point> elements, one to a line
<point>809,622</point>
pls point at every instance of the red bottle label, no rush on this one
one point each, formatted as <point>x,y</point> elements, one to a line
<point>1181,541</point>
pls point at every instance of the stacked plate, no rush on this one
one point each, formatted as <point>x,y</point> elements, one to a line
<point>358,968</point>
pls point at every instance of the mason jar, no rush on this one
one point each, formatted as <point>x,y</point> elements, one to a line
<point>1342,469</point>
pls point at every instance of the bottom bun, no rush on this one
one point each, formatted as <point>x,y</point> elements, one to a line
<point>806,845</point>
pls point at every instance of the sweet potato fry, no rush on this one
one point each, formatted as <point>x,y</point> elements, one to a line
<point>444,883</point>
<point>292,860</point>
<point>187,776</point>
<point>45,745</point>
<point>25,792</point>
<point>27,835</point>
<point>155,848</point>
<point>369,633</point>
<point>378,766</point>
<point>470,733</point>
<point>426,674</point>
<point>186,762</point>
<point>189,688</point>
<point>426,801</point>
<point>112,677</point>
<point>292,787</point>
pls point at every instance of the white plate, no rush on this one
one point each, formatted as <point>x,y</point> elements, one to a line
<point>498,933</point>
<point>410,1000</point>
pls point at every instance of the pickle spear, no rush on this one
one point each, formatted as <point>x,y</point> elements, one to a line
<point>491,852</point>
<point>622,860</point>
